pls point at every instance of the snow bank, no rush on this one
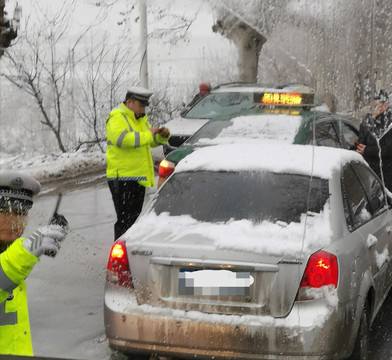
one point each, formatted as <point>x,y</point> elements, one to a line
<point>54,166</point>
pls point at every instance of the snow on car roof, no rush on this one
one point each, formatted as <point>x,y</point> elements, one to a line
<point>263,126</point>
<point>273,156</point>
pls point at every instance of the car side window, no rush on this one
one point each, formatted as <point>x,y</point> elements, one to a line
<point>356,205</point>
<point>372,186</point>
<point>325,135</point>
<point>349,134</point>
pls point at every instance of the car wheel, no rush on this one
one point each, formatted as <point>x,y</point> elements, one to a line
<point>361,348</point>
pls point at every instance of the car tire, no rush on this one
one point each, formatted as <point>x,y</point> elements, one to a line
<point>361,347</point>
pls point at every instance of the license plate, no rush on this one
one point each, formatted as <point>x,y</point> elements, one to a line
<point>214,283</point>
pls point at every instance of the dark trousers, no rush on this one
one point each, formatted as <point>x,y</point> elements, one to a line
<point>128,199</point>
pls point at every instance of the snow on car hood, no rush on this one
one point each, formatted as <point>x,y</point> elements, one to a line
<point>182,126</point>
<point>269,155</point>
<point>276,239</point>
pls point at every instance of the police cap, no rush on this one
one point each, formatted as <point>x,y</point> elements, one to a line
<point>140,94</point>
<point>17,190</point>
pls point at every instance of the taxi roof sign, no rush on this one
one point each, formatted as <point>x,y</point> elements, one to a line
<point>293,96</point>
<point>285,99</point>
<point>281,99</point>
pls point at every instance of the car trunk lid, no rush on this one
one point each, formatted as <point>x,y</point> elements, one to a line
<point>183,275</point>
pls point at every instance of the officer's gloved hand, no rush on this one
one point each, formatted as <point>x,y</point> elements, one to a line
<point>45,240</point>
<point>58,219</point>
<point>164,131</point>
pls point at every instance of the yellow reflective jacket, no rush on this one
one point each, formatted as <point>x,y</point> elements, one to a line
<point>15,265</point>
<point>128,153</point>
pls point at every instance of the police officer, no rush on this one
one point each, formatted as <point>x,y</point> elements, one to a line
<point>18,255</point>
<point>129,162</point>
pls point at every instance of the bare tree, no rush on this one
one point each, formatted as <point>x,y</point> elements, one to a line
<point>340,47</point>
<point>245,26</point>
<point>99,87</point>
<point>247,38</point>
<point>37,65</point>
<point>163,106</point>
<point>173,29</point>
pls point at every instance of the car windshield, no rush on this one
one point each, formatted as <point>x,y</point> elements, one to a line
<point>209,131</point>
<point>257,196</point>
<point>222,103</point>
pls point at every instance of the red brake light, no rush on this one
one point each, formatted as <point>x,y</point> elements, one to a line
<point>118,271</point>
<point>117,252</point>
<point>321,270</point>
<point>166,168</point>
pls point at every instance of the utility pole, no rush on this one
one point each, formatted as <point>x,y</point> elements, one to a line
<point>143,44</point>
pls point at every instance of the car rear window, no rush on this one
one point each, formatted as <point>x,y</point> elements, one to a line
<point>257,196</point>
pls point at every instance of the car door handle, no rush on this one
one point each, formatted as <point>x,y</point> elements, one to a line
<point>371,241</point>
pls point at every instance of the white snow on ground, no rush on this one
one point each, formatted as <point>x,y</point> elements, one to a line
<point>54,166</point>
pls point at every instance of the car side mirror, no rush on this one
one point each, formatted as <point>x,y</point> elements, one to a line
<point>389,201</point>
<point>375,203</point>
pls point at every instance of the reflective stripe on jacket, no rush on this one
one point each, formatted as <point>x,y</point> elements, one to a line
<point>128,153</point>
<point>15,265</point>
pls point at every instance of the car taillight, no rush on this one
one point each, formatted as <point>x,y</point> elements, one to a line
<point>166,168</point>
<point>118,271</point>
<point>321,270</point>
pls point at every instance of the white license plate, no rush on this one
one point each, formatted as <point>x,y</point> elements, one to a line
<point>214,283</point>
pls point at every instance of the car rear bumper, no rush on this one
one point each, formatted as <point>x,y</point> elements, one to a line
<point>309,331</point>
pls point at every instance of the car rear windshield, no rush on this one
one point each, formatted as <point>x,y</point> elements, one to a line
<point>215,104</point>
<point>257,196</point>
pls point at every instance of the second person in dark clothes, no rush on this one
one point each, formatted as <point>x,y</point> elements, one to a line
<point>375,138</point>
<point>204,89</point>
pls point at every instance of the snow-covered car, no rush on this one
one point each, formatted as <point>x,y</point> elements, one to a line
<point>234,98</point>
<point>295,127</point>
<point>249,251</point>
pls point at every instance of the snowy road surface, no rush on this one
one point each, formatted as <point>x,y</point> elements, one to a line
<point>65,294</point>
